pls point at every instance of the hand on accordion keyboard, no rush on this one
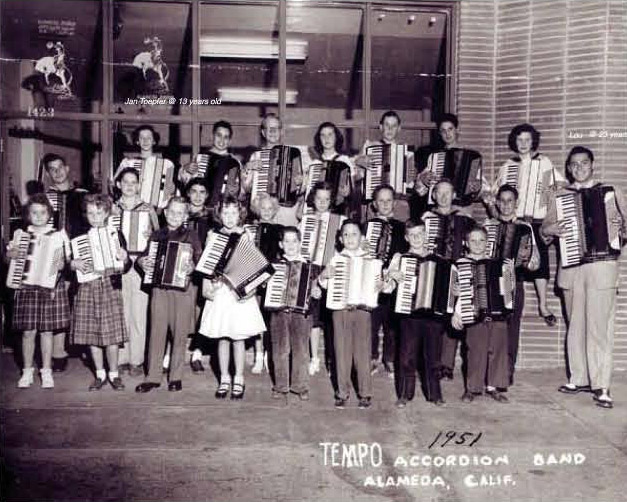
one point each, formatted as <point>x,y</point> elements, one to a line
<point>81,265</point>
<point>191,168</point>
<point>13,252</point>
<point>363,161</point>
<point>328,272</point>
<point>145,262</point>
<point>396,275</point>
<point>557,229</point>
<point>456,321</point>
<point>426,177</point>
<point>253,165</point>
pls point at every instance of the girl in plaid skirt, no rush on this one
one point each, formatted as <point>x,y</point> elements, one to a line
<point>98,307</point>
<point>39,309</point>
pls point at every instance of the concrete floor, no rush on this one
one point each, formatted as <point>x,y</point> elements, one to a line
<point>71,444</point>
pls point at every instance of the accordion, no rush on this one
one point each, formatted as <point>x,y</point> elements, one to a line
<point>221,173</point>
<point>266,237</point>
<point>281,166</point>
<point>531,183</point>
<point>98,248</point>
<point>427,286</point>
<point>319,235</point>
<point>337,174</point>
<point>156,179</point>
<point>58,216</point>
<point>236,259</point>
<point>446,234</point>
<point>169,263</point>
<point>391,164</point>
<point>486,290</point>
<point>588,215</point>
<point>508,240</point>
<point>462,167</point>
<point>379,238</point>
<point>354,282</point>
<point>290,286</point>
<point>38,260</point>
<point>136,227</point>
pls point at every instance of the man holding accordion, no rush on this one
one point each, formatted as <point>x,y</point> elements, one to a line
<point>587,218</point>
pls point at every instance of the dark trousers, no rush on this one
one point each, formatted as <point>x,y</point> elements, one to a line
<point>513,328</point>
<point>289,332</point>
<point>174,310</point>
<point>351,330</point>
<point>382,316</point>
<point>420,346</point>
<point>487,356</point>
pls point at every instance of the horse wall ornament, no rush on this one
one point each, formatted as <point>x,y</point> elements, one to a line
<point>153,60</point>
<point>55,66</point>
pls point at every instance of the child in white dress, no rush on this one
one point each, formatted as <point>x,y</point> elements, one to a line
<point>225,316</point>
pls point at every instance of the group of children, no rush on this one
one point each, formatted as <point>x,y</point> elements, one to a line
<point>115,310</point>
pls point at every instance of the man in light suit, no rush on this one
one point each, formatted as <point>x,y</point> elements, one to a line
<point>589,288</point>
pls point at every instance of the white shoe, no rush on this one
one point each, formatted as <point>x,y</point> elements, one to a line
<point>27,379</point>
<point>47,382</point>
<point>258,366</point>
<point>314,366</point>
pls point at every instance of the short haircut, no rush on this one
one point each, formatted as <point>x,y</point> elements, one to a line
<point>229,200</point>
<point>476,228</point>
<point>380,188</point>
<point>507,188</point>
<point>52,157</point>
<point>339,138</point>
<point>517,131</point>
<point>264,122</point>
<point>447,117</point>
<point>196,181</point>
<point>127,170</point>
<point>579,149</point>
<point>351,221</point>
<point>38,198</point>
<point>145,127</point>
<point>101,201</point>
<point>390,113</point>
<point>319,185</point>
<point>255,204</point>
<point>177,199</point>
<point>411,223</point>
<point>224,124</point>
<point>290,230</point>
<point>442,181</point>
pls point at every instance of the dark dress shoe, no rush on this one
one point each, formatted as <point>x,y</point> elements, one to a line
<point>197,366</point>
<point>59,364</point>
<point>97,384</point>
<point>117,384</point>
<point>340,403</point>
<point>175,386</point>
<point>438,402</point>
<point>237,391</point>
<point>573,389</point>
<point>468,397</point>
<point>499,397</point>
<point>365,402</point>
<point>146,387</point>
